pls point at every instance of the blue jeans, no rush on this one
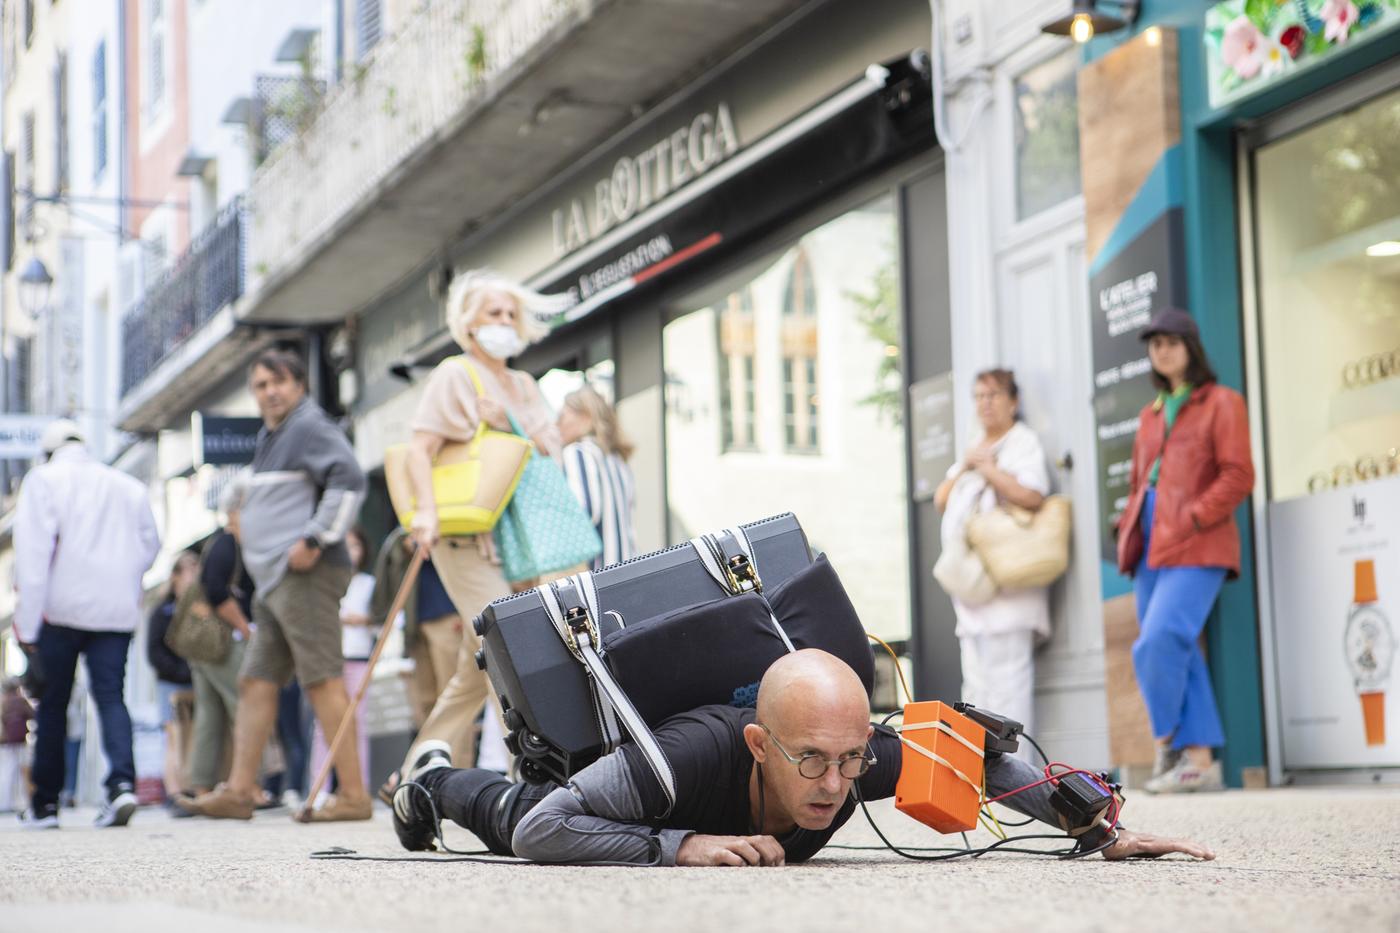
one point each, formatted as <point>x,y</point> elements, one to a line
<point>59,648</point>
<point>1172,606</point>
<point>295,735</point>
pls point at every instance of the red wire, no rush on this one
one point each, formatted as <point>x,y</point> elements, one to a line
<point>1053,777</point>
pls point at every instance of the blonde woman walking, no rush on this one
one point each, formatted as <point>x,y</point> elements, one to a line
<point>595,462</point>
<point>493,320</point>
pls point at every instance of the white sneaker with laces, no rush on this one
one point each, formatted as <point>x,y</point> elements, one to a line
<point>118,809</point>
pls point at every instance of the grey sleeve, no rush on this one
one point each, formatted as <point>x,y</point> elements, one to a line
<point>1005,773</point>
<point>330,462</point>
<point>596,818</point>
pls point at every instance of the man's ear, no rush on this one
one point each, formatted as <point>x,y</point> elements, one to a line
<point>754,738</point>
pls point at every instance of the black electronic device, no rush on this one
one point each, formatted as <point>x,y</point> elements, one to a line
<point>672,634</point>
<point>1003,734</point>
<point>1080,802</point>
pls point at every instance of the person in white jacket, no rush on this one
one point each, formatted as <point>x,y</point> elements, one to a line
<point>1005,464</point>
<point>84,537</point>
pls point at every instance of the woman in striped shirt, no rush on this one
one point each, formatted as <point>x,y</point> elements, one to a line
<point>595,461</point>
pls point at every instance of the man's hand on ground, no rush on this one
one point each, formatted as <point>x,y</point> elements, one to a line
<point>1131,844</point>
<point>697,851</point>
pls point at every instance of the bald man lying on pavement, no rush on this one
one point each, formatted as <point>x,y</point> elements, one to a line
<point>741,796</point>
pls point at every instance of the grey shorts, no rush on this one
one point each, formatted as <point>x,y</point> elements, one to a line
<point>298,628</point>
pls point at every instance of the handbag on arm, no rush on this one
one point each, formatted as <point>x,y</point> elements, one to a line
<point>473,481</point>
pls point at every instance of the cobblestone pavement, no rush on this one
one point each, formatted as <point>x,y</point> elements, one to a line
<point>1298,859</point>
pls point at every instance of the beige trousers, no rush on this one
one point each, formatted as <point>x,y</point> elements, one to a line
<point>472,582</point>
<point>434,662</point>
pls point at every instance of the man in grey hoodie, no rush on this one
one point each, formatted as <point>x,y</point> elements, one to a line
<point>303,496</point>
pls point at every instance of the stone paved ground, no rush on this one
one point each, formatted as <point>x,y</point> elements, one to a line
<point>1289,859</point>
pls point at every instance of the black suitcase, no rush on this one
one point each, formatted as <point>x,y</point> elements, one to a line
<point>672,635</point>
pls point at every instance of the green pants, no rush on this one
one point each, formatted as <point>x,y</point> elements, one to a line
<point>215,704</point>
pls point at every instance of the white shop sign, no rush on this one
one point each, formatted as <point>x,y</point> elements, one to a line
<point>1330,649</point>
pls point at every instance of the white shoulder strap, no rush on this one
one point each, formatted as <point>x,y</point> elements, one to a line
<point>611,701</point>
<point>712,559</point>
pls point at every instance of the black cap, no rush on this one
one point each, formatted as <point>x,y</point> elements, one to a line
<point>1171,321</point>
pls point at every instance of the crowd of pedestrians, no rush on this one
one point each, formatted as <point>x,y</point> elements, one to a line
<point>296,589</point>
<point>299,592</point>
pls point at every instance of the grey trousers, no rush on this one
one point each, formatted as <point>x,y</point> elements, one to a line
<point>215,703</point>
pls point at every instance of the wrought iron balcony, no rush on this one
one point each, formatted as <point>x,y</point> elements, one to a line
<point>204,279</point>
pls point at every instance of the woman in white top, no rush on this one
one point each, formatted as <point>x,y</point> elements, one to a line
<point>1006,464</point>
<point>595,461</point>
<point>356,644</point>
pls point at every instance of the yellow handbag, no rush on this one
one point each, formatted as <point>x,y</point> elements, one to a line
<point>1021,548</point>
<point>472,481</point>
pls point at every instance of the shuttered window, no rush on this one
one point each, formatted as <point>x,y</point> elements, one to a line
<point>369,26</point>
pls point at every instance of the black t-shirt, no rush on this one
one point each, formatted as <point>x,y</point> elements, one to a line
<point>218,577</point>
<point>712,765</point>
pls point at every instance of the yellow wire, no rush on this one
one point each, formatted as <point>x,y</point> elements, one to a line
<point>897,668</point>
<point>987,809</point>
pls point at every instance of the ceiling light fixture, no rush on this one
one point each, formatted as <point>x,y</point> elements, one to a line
<point>1085,20</point>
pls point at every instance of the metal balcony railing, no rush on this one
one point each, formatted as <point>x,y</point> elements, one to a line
<point>205,278</point>
<point>417,83</point>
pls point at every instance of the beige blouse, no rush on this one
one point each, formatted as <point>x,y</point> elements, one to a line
<point>448,405</point>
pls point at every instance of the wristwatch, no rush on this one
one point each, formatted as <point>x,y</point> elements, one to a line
<point>1370,650</point>
<point>312,542</point>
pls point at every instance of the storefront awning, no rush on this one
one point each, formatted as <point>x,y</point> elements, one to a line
<point>877,121</point>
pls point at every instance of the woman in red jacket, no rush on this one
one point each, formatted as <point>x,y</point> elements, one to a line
<point>1178,540</point>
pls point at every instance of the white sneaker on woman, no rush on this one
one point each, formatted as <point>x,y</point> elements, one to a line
<point>1187,778</point>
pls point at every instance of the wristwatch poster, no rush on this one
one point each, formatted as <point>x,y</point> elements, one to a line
<point>1370,650</point>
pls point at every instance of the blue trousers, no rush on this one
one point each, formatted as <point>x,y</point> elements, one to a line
<point>1172,606</point>
<point>59,648</point>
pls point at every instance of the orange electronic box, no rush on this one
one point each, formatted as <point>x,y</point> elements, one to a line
<point>940,785</point>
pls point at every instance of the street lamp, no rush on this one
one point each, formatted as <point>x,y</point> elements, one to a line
<point>34,285</point>
<point>1085,20</point>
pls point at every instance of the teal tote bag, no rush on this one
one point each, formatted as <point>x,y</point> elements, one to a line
<point>544,529</point>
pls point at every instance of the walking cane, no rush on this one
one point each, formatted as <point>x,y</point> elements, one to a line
<point>406,587</point>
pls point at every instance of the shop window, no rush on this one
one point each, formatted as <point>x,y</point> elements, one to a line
<point>1047,135</point>
<point>775,381</point>
<point>1327,221</point>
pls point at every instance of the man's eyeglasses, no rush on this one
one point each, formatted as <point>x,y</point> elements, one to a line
<point>813,766</point>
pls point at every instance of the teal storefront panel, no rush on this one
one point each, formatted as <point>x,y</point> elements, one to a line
<point>1208,160</point>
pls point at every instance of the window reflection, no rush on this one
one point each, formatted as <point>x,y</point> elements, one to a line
<point>783,394</point>
<point>1328,221</point>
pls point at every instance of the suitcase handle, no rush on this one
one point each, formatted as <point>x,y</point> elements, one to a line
<point>572,605</point>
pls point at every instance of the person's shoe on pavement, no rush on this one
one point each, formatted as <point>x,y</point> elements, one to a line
<point>120,805</point>
<point>1185,777</point>
<point>221,803</point>
<point>1167,758</point>
<point>339,809</point>
<point>44,816</point>
<point>415,822</point>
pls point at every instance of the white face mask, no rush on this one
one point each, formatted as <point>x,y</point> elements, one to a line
<point>499,341</point>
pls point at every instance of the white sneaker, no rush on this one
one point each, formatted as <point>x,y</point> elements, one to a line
<point>432,753</point>
<point>118,809</point>
<point>1167,758</point>
<point>1186,778</point>
<point>44,818</point>
<point>291,799</point>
